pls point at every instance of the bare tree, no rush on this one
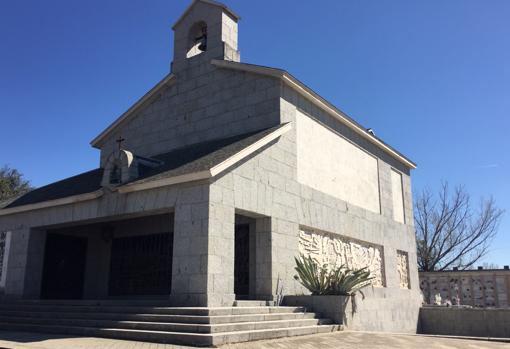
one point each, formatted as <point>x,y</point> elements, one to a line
<point>449,232</point>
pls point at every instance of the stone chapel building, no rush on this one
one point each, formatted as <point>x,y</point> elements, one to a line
<point>210,185</point>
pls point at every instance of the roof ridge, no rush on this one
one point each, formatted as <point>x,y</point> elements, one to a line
<point>210,2</point>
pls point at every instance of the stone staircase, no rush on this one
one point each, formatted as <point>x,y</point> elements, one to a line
<point>155,322</point>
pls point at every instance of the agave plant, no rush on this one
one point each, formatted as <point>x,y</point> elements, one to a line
<point>319,280</point>
<point>312,276</point>
<point>344,281</point>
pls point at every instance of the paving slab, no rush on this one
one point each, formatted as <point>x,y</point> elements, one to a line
<point>344,340</point>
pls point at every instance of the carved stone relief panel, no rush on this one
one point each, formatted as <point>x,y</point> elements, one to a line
<point>336,250</point>
<point>403,268</point>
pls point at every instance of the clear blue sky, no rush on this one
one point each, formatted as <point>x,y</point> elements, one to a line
<point>432,78</point>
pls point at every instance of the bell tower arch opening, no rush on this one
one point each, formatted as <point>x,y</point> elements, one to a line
<point>208,30</point>
<point>197,39</point>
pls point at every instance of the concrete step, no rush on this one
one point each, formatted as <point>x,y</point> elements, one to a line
<point>253,303</point>
<point>151,310</point>
<point>246,336</point>
<point>94,302</point>
<point>138,335</point>
<point>174,337</point>
<point>248,320</point>
<point>261,317</point>
<point>195,319</point>
<point>266,325</point>
<point>168,327</point>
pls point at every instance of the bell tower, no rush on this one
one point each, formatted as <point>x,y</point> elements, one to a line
<point>206,30</point>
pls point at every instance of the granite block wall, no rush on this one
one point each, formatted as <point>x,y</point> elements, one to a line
<point>486,323</point>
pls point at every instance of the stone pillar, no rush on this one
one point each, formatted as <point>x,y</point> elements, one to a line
<point>221,247</point>
<point>15,278</point>
<point>284,242</point>
<point>97,270</point>
<point>35,264</point>
<point>263,279</point>
<point>189,268</point>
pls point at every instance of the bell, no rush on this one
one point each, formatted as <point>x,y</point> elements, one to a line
<point>202,39</point>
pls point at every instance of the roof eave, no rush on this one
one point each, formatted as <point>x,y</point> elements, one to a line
<point>52,203</point>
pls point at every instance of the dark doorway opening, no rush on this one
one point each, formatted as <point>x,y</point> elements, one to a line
<point>64,267</point>
<point>141,265</point>
<point>242,261</point>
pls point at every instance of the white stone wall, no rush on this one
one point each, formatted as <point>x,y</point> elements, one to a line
<point>329,163</point>
<point>397,196</point>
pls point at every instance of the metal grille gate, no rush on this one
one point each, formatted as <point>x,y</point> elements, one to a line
<point>141,265</point>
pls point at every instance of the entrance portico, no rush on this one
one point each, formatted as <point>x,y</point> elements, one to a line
<point>168,254</point>
<point>118,258</point>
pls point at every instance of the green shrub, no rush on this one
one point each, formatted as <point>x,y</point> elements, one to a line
<point>320,280</point>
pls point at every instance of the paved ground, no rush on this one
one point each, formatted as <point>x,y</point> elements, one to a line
<point>344,340</point>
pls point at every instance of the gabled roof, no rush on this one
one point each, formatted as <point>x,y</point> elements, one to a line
<point>316,99</point>
<point>195,162</point>
<point>288,79</point>
<point>153,92</point>
<point>210,2</point>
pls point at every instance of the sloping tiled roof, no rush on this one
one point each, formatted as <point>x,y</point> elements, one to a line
<point>190,159</point>
<point>201,156</point>
<point>81,184</point>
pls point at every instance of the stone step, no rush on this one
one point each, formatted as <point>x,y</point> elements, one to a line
<point>261,317</point>
<point>195,319</point>
<point>168,327</point>
<point>197,339</point>
<point>253,303</point>
<point>266,325</point>
<point>94,302</point>
<point>182,338</point>
<point>143,321</point>
<point>245,336</point>
<point>152,310</point>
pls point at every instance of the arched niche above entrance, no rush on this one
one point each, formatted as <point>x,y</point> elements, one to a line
<point>120,167</point>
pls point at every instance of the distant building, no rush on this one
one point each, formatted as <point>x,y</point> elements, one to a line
<point>478,287</point>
